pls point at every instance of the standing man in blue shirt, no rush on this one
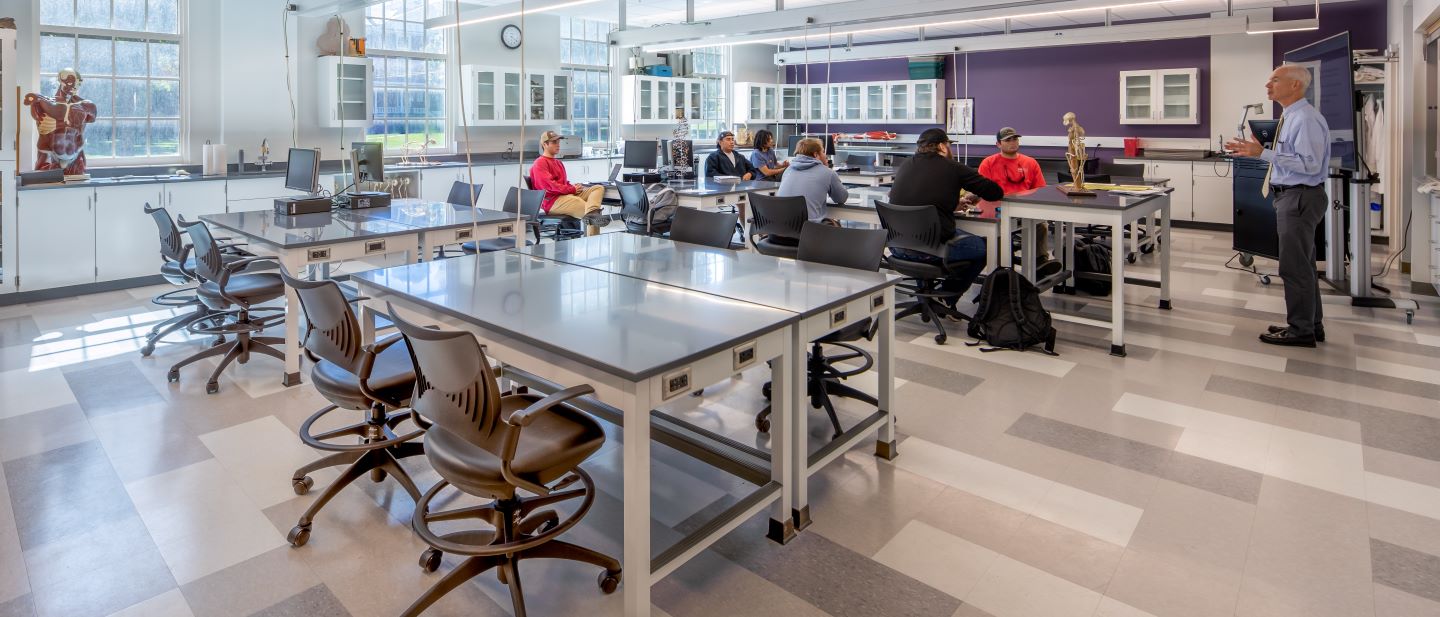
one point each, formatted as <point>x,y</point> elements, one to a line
<point>1299,165</point>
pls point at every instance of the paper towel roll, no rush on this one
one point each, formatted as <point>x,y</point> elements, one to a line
<point>213,160</point>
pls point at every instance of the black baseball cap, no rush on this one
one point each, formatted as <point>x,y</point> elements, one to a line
<point>932,137</point>
<point>1006,133</point>
<point>723,135</point>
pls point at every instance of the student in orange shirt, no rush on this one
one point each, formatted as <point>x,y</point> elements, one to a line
<point>1014,172</point>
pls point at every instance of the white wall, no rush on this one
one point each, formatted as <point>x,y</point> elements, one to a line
<point>480,44</point>
<point>1239,68</point>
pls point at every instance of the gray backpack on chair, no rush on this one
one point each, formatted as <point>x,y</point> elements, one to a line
<point>663,202</point>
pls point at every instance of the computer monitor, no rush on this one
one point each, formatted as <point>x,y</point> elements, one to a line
<point>795,142</point>
<point>1264,131</point>
<point>302,170</point>
<point>640,154</point>
<point>369,160</point>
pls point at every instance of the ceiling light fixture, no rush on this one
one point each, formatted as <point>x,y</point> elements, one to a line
<point>1297,25</point>
<point>552,7</point>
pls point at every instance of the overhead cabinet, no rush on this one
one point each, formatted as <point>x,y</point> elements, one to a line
<point>1163,96</point>
<point>909,101</point>
<point>498,96</point>
<point>345,86</point>
<point>649,99</point>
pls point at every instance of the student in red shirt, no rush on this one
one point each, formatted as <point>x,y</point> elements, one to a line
<point>562,197</point>
<point>1014,172</point>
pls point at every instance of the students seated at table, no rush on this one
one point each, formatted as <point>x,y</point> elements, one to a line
<point>1016,172</point>
<point>726,161</point>
<point>933,178</point>
<point>811,178</point>
<point>561,197</point>
<point>763,158</point>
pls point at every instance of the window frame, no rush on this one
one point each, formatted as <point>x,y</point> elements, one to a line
<point>719,121</point>
<point>378,53</point>
<point>605,98</point>
<point>38,80</point>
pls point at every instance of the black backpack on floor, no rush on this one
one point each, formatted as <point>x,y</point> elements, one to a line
<point>1010,316</point>
<point>1092,256</point>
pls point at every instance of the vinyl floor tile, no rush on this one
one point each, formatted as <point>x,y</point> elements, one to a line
<point>169,604</point>
<point>251,585</point>
<point>31,391</point>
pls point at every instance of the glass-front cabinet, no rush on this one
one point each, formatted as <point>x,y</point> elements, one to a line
<point>498,96</point>
<point>345,91</point>
<point>792,103</point>
<point>815,103</point>
<point>1161,96</point>
<point>875,101</point>
<point>648,99</point>
<point>758,102</point>
<point>853,106</point>
<point>899,103</point>
<point>560,97</point>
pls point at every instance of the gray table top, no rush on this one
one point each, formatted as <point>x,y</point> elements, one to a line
<point>706,186</point>
<point>747,276</point>
<point>866,170</point>
<point>304,230</point>
<point>621,325</point>
<point>435,214</point>
<point>1054,196</point>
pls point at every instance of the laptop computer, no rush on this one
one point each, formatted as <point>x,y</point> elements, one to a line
<point>614,173</point>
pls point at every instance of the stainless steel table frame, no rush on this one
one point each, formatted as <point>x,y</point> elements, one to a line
<point>636,364</point>
<point>1049,204</point>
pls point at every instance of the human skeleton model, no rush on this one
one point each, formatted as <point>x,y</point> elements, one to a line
<point>679,139</point>
<point>61,122</point>
<point>1075,152</point>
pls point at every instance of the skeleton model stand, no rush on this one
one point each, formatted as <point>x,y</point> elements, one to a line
<point>1075,155</point>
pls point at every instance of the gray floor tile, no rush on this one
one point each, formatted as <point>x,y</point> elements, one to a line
<point>42,431</point>
<point>936,377</point>
<point>63,492</point>
<point>1405,569</point>
<point>19,330</point>
<point>251,585</point>
<point>117,386</point>
<point>97,569</point>
<point>1373,380</point>
<point>316,601</point>
<point>1409,347</point>
<point>22,606</point>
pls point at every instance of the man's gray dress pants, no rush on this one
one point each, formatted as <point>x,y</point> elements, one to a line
<point>1298,211</point>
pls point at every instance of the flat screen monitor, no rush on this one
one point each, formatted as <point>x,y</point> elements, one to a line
<point>1332,92</point>
<point>794,142</point>
<point>1264,131</point>
<point>641,154</point>
<point>302,170</point>
<point>369,160</point>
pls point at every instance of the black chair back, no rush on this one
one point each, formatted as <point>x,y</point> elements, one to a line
<point>172,245</point>
<point>712,229</point>
<point>1130,170</point>
<point>1100,178</point>
<point>464,193</point>
<point>777,216</point>
<point>862,249</point>
<point>913,228</point>
<point>208,263</point>
<point>862,160</point>
<point>332,332</point>
<point>529,184</point>
<point>634,203</point>
<point>454,385</point>
<point>524,201</point>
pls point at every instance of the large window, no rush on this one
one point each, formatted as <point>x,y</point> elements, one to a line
<point>410,74</point>
<point>585,55</point>
<point>710,65</point>
<point>128,53</point>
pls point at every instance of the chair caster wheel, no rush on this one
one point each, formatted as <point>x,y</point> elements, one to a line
<point>1265,280</point>
<point>940,339</point>
<point>430,560</point>
<point>1130,258</point>
<point>762,425</point>
<point>302,485</point>
<point>219,340</point>
<point>148,349</point>
<point>1147,249</point>
<point>173,376</point>
<point>298,536</point>
<point>212,387</point>
<point>377,475</point>
<point>609,582</point>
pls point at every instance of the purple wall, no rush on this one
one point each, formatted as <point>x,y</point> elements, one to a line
<point>1030,89</point>
<point>1365,19</point>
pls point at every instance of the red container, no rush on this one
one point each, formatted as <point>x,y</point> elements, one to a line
<point>1132,146</point>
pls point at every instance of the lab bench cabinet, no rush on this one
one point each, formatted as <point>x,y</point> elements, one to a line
<point>648,99</point>
<point>55,238</point>
<point>1203,191</point>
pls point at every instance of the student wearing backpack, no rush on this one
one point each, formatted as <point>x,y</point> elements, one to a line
<point>933,178</point>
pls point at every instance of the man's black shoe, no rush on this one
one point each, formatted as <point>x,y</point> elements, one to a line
<point>1319,332</point>
<point>1283,338</point>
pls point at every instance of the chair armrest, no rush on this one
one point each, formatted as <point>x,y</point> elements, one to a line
<point>527,415</point>
<point>523,418</point>
<point>367,364</point>
<point>240,264</point>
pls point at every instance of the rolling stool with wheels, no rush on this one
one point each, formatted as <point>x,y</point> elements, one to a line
<point>498,447</point>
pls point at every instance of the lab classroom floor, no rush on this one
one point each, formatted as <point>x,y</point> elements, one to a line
<point>1205,474</point>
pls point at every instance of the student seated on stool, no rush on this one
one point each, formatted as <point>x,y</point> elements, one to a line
<point>561,197</point>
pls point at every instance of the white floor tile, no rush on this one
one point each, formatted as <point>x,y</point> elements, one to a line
<point>1395,369</point>
<point>169,604</point>
<point>1015,589</point>
<point>1036,362</point>
<point>1313,460</point>
<point>184,508</point>
<point>24,391</point>
<point>1223,353</point>
<point>1432,340</point>
<point>261,456</point>
<point>1411,497</point>
<point>1094,515</point>
<point>1110,607</point>
<point>1185,416</point>
<point>938,559</point>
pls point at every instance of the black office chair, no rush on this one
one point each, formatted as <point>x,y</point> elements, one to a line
<point>861,249</point>
<point>914,228</point>
<point>517,200</point>
<point>635,210</point>
<point>464,194</point>
<point>499,447</point>
<point>695,226</point>
<point>226,284</point>
<point>557,226</point>
<point>377,379</point>
<point>178,269</point>
<point>860,160</point>
<point>776,224</point>
<point>1125,170</point>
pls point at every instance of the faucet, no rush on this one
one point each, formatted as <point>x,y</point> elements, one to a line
<point>240,165</point>
<point>264,159</point>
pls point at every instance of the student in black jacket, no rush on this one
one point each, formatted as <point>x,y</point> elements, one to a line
<point>933,178</point>
<point>726,161</point>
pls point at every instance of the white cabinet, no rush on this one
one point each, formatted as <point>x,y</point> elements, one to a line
<point>126,242</point>
<point>1212,195</point>
<point>496,96</point>
<point>874,101</point>
<point>55,238</point>
<point>646,99</point>
<point>248,194</point>
<point>192,198</point>
<point>755,102</point>
<point>1162,96</point>
<point>852,102</point>
<point>345,86</point>
<point>435,183</point>
<point>792,103</point>
<point>834,102</point>
<point>912,101</point>
<point>898,101</point>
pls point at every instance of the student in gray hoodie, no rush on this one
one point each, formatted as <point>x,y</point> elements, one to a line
<point>809,177</point>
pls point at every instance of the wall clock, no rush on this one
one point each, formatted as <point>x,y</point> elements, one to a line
<point>510,36</point>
